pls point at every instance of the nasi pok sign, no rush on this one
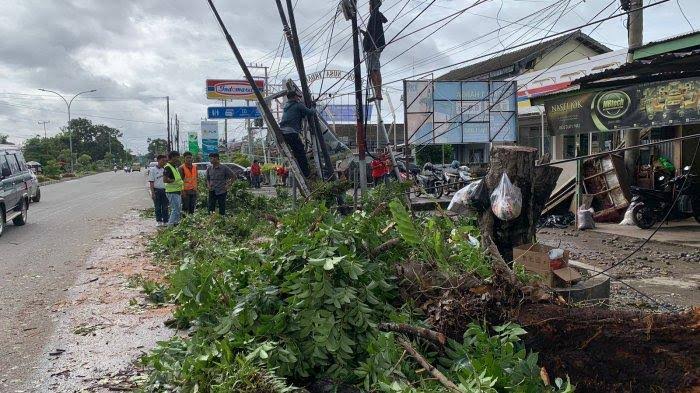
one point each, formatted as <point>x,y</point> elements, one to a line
<point>227,89</point>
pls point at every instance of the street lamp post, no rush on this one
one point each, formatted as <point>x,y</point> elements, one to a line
<point>70,134</point>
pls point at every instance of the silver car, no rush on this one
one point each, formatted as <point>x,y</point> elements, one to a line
<point>34,190</point>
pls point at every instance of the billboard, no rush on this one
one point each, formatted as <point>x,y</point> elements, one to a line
<point>227,89</point>
<point>233,112</point>
<point>210,138</point>
<point>193,143</point>
<point>457,112</point>
<point>343,113</point>
<point>653,104</point>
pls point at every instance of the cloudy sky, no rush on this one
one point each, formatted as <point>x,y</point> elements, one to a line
<point>135,52</point>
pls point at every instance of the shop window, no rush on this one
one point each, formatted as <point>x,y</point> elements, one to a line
<point>583,145</point>
<point>569,146</point>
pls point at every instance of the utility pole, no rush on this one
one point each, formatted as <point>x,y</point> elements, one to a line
<point>225,130</point>
<point>177,133</point>
<point>167,118</point>
<point>44,123</point>
<point>635,27</point>
<point>350,11</point>
<point>293,39</point>
<point>267,113</point>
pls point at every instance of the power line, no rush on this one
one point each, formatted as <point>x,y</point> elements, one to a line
<point>556,35</point>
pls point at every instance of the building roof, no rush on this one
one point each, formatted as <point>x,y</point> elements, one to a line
<point>519,59</point>
<point>676,43</point>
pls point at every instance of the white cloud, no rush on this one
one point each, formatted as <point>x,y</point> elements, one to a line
<point>144,49</point>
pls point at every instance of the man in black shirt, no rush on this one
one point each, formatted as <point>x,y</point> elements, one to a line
<point>294,113</point>
<point>373,43</point>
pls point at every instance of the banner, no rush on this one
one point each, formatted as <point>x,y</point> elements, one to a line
<point>458,112</point>
<point>226,89</point>
<point>210,138</point>
<point>193,143</point>
<point>653,104</point>
<point>329,74</point>
<point>343,113</point>
<point>233,112</point>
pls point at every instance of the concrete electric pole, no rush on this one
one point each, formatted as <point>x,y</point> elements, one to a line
<point>44,123</point>
<point>635,27</point>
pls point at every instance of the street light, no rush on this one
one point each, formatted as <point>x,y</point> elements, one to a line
<point>70,134</point>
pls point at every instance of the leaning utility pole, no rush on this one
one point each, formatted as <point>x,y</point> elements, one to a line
<point>267,113</point>
<point>293,39</point>
<point>350,12</point>
<point>635,26</point>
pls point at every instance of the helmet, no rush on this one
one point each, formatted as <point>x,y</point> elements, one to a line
<point>455,164</point>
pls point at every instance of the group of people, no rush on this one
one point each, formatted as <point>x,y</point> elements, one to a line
<point>174,186</point>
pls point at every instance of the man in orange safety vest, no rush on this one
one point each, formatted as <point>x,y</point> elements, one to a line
<point>189,176</point>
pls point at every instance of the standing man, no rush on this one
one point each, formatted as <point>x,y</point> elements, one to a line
<point>294,113</point>
<point>160,200</point>
<point>189,193</point>
<point>373,43</point>
<point>219,179</point>
<point>173,187</point>
<point>256,173</point>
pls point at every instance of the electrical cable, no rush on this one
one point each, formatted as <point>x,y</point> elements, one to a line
<point>663,221</point>
<point>558,34</point>
<point>684,16</point>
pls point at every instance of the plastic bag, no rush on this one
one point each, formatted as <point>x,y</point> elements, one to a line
<point>459,201</point>
<point>506,200</point>
<point>628,220</point>
<point>585,218</point>
<point>477,195</point>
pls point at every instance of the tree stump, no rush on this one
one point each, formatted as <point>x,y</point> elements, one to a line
<point>536,185</point>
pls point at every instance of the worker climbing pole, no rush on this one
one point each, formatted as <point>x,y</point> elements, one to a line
<point>267,113</point>
<point>290,31</point>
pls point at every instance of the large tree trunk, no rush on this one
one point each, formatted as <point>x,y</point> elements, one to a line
<point>536,185</point>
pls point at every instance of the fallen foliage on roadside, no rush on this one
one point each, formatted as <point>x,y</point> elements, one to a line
<point>280,300</point>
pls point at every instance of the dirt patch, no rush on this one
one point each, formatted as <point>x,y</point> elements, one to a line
<point>616,351</point>
<point>106,323</point>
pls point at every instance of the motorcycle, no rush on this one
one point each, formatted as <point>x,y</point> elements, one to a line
<point>453,182</point>
<point>651,205</point>
<point>430,181</point>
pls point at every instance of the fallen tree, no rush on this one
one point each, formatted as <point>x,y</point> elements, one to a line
<point>383,301</point>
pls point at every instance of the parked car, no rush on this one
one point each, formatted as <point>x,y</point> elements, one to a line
<point>151,165</point>
<point>136,167</point>
<point>34,190</point>
<point>14,187</point>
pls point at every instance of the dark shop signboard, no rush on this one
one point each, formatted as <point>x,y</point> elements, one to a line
<point>654,104</point>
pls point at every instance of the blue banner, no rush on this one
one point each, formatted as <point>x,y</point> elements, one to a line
<point>343,113</point>
<point>233,112</point>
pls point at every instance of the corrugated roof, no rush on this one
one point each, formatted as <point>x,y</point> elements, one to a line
<point>520,57</point>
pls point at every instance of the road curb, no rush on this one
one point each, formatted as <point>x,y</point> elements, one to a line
<point>47,183</point>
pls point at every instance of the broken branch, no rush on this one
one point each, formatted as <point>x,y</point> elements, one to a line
<point>385,246</point>
<point>435,337</point>
<point>429,367</point>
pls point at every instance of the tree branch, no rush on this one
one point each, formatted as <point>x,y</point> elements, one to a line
<point>424,363</point>
<point>435,337</point>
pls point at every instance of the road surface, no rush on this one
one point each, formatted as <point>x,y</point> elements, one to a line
<point>41,260</point>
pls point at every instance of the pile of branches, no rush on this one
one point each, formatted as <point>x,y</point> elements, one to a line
<point>277,299</point>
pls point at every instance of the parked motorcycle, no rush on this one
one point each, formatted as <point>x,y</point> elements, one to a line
<point>430,181</point>
<point>652,205</point>
<point>453,182</point>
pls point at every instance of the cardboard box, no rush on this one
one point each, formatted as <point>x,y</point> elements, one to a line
<point>535,259</point>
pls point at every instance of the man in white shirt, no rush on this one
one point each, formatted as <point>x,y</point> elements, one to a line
<point>160,199</point>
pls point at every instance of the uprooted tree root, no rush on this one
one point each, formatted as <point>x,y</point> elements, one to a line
<point>616,351</point>
<point>601,350</point>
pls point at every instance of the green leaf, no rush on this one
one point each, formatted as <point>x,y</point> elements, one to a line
<point>404,223</point>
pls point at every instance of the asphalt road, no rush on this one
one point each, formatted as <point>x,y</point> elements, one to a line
<point>41,260</point>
